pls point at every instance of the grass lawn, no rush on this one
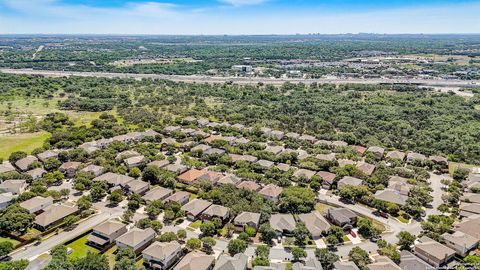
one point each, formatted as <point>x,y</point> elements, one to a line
<point>322,208</point>
<point>378,225</point>
<point>196,224</point>
<point>80,248</point>
<point>345,238</point>
<point>7,239</point>
<point>402,219</point>
<point>452,166</point>
<point>110,256</point>
<point>21,142</point>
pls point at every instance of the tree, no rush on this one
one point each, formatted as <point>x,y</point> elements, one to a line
<point>92,261</point>
<point>267,233</point>
<point>236,246</point>
<point>405,240</point>
<point>366,228</point>
<point>154,209</point>
<point>151,174</point>
<point>262,251</point>
<point>251,231</point>
<point>326,258</point>
<point>51,164</point>
<point>359,257</point>
<point>134,172</point>
<point>300,233</point>
<point>298,253</point>
<point>59,259</point>
<point>182,234</point>
<point>243,236</point>
<point>389,250</point>
<point>70,222</point>
<point>16,156</point>
<point>167,237</point>
<point>84,203</point>
<point>335,235</point>
<point>208,243</point>
<point>460,174</point>
<point>258,261</point>
<point>297,200</point>
<point>98,190</point>
<point>194,244</point>
<point>115,197</point>
<point>127,215</point>
<point>14,265</point>
<point>15,219</point>
<point>5,248</point>
<point>208,228</point>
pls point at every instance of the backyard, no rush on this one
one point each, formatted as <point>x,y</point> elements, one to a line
<point>80,248</point>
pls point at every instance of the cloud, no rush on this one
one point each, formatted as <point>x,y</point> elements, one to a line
<point>238,3</point>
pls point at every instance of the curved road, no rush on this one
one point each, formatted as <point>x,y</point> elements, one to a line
<point>440,83</point>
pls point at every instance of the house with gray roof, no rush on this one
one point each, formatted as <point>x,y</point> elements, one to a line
<point>345,266</point>
<point>348,181</point>
<point>180,197</point>
<point>272,266</point>
<point>36,204</point>
<point>196,260</point>
<point>106,233</point>
<point>276,149</point>
<point>114,179</point>
<point>271,192</point>
<point>439,160</point>
<point>415,156</point>
<point>469,226</point>
<point>237,262</point>
<point>159,163</point>
<point>309,264</point>
<point>245,219</point>
<point>282,223</point>
<point>136,239</point>
<point>377,151</point>
<point>328,178</point>
<point>307,138</point>
<point>158,193</point>
<point>391,195</point>
<point>15,187</point>
<point>36,173</point>
<point>70,168</point>
<point>136,161</point>
<point>47,154</point>
<point>176,168</point>
<point>469,209</point>
<point>342,217</point>
<point>94,169</point>
<point>5,199</point>
<point>266,164</point>
<point>292,135</point>
<point>433,252</point>
<point>383,263</point>
<point>366,168</point>
<point>162,256</point>
<point>53,215</point>
<point>395,155</point>
<point>229,179</point>
<point>214,211</point>
<point>408,261</point>
<point>461,242</point>
<point>138,187</point>
<point>6,167</point>
<point>194,208</point>
<point>304,173</point>
<point>22,164</point>
<point>315,223</point>
<point>326,157</point>
<point>249,185</point>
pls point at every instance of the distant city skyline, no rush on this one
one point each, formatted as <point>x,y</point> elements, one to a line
<point>238,16</point>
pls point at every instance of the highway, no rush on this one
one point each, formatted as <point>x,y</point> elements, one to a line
<point>440,83</point>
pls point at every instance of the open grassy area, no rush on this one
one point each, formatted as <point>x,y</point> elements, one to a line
<point>196,224</point>
<point>21,142</point>
<point>402,219</point>
<point>35,106</point>
<point>452,166</point>
<point>7,239</point>
<point>80,247</point>
<point>110,256</point>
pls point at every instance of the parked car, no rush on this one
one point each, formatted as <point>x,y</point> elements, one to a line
<point>384,215</point>
<point>352,233</point>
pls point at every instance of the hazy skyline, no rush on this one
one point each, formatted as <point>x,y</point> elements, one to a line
<point>237,16</point>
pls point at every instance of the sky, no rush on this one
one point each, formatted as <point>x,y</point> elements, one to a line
<point>236,17</point>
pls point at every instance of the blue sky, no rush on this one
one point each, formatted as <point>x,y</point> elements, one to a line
<point>238,16</point>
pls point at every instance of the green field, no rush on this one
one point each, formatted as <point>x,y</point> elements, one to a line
<point>21,142</point>
<point>80,247</point>
<point>13,241</point>
<point>452,166</point>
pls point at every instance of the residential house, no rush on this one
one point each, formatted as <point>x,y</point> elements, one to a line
<point>214,151</point>
<point>304,173</point>
<point>409,261</point>
<point>162,256</point>
<point>241,141</point>
<point>399,184</point>
<point>292,135</point>
<point>69,168</point>
<point>271,192</point>
<point>94,169</point>
<point>328,178</point>
<point>158,193</point>
<point>326,157</point>
<point>170,129</point>
<point>114,179</point>
<point>53,215</point>
<point>138,187</point>
<point>344,162</point>
<point>5,199</point>
<point>433,252</point>
<point>277,149</point>
<point>316,224</point>
<point>342,217</point>
<point>470,197</point>
<point>339,144</point>
<point>36,204</point>
<point>200,148</point>
<point>345,266</point>
<point>324,143</point>
<point>277,134</point>
<point>47,154</point>
<point>249,185</point>
<point>237,262</point>
<point>348,181</point>
<point>391,195</point>
<point>210,176</point>
<point>377,151</point>
<point>136,239</point>
<point>265,164</point>
<point>159,163</point>
<point>245,219</point>
<point>229,179</point>
<point>14,186</point>
<point>36,173</point>
<point>214,211</point>
<point>176,168</point>
<point>366,168</point>
<point>383,263</point>
<point>360,149</point>
<point>310,264</point>
<point>106,233</point>
<point>190,176</point>
<point>461,242</point>
<point>194,208</point>
<point>6,167</point>
<point>180,197</point>
<point>395,155</point>
<point>412,156</point>
<point>469,209</point>
<point>22,164</point>
<point>469,226</point>
<point>196,261</point>
<point>282,223</point>
<point>272,266</point>
<point>439,160</point>
<point>284,167</point>
<point>136,161</point>
<point>126,154</point>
